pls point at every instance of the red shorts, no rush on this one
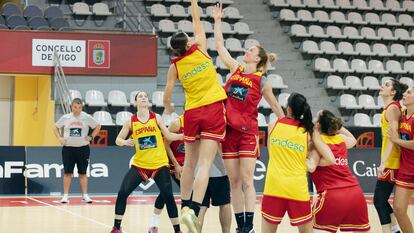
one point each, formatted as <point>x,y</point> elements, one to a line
<point>390,175</point>
<point>240,145</point>
<point>274,208</point>
<point>405,181</point>
<point>147,173</point>
<point>343,208</point>
<point>206,122</point>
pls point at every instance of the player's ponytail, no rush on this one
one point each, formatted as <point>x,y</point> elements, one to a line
<point>265,59</point>
<point>301,110</point>
<point>330,124</point>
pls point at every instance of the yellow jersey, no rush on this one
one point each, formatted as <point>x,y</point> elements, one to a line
<point>393,161</point>
<point>198,76</point>
<point>286,171</point>
<point>149,144</point>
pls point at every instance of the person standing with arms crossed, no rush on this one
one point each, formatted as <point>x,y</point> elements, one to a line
<point>245,89</point>
<point>75,142</point>
<point>204,115</point>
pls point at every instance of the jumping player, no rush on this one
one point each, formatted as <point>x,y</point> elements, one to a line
<point>341,203</point>
<point>245,89</point>
<point>150,159</point>
<point>204,114</point>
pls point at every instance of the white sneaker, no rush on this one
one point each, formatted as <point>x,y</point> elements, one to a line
<point>64,200</point>
<point>86,199</point>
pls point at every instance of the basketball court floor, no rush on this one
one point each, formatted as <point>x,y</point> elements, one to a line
<point>46,214</point>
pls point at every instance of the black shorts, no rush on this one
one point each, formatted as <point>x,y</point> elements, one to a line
<point>218,191</point>
<point>75,155</point>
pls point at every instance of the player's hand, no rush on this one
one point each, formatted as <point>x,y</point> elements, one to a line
<point>393,135</point>
<point>178,170</point>
<point>62,141</point>
<point>130,142</point>
<point>88,138</point>
<point>218,11</point>
<point>380,172</point>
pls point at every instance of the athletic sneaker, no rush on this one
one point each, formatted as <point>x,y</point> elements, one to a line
<point>115,230</point>
<point>64,200</point>
<point>153,230</point>
<point>239,231</point>
<point>189,219</point>
<point>246,230</point>
<point>87,199</point>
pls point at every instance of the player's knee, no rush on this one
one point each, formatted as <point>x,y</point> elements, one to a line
<point>235,183</point>
<point>247,182</point>
<point>399,210</point>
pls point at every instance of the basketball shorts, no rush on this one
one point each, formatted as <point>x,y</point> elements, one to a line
<point>240,145</point>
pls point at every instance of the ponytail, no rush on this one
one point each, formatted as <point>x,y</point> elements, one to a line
<point>265,59</point>
<point>301,110</point>
<point>330,124</point>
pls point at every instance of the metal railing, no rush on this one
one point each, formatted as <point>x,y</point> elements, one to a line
<point>62,94</point>
<point>132,17</point>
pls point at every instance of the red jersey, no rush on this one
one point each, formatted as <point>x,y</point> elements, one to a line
<point>407,155</point>
<point>244,94</point>
<point>177,147</point>
<point>337,175</point>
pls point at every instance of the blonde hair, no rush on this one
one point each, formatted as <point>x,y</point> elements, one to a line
<point>265,59</point>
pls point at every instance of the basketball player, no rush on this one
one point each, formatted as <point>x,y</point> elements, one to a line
<point>150,159</point>
<point>341,203</point>
<point>218,189</point>
<point>286,186</point>
<point>204,114</point>
<point>405,177</point>
<point>391,92</point>
<point>75,142</point>
<point>245,89</point>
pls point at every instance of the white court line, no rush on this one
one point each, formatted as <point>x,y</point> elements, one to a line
<point>73,213</point>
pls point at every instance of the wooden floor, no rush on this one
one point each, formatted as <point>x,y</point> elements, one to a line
<point>39,215</point>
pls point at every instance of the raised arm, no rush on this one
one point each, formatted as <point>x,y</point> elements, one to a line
<point>224,54</point>
<point>121,138</point>
<point>350,140</point>
<point>167,134</point>
<point>271,99</point>
<point>171,77</point>
<point>199,33</point>
<point>328,157</point>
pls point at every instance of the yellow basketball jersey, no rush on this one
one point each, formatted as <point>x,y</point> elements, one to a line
<point>286,171</point>
<point>198,76</point>
<point>149,144</point>
<point>393,161</point>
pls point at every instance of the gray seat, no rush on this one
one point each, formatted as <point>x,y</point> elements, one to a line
<point>328,4</point>
<point>242,28</point>
<point>185,26</point>
<point>364,49</point>
<point>339,17</point>
<point>288,15</point>
<point>359,66</point>
<point>208,27</point>
<point>39,23</point>
<point>386,34</point>
<point>10,9</point>
<point>53,12</point>
<point>352,33</point>
<point>390,19</point>
<point>362,5</point>
<point>362,120</point>
<point>402,34</point>
<point>178,11</point>
<point>15,21</point>
<point>310,47</point>
<point>410,49</point>
<point>322,65</point>
<point>409,66</point>
<point>371,83</point>
<point>312,4</point>
<point>408,5</point>
<point>345,4</point>
<point>356,18</point>
<point>81,9</point>
<point>226,28</point>
<point>373,19</point>
<point>399,50</point>
<point>59,24</point>
<point>393,5</point>
<point>369,33</point>
<point>334,32</point>
<point>248,43</point>
<point>295,3</point>
<point>335,82</point>
<point>377,5</point>
<point>394,67</point>
<point>32,11</point>
<point>166,26</point>
<point>342,66</point>
<point>101,9</point>
<point>305,16</point>
<point>354,83</point>
<point>232,13</point>
<point>328,47</point>
<point>381,50</point>
<point>406,20</point>
<point>322,16</point>
<point>317,31</point>
<point>376,67</point>
<point>159,10</point>
<point>233,45</point>
<point>346,48</point>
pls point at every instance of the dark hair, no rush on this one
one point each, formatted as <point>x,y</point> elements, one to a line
<point>77,101</point>
<point>138,94</point>
<point>301,110</point>
<point>399,89</point>
<point>265,58</point>
<point>178,43</point>
<point>330,124</point>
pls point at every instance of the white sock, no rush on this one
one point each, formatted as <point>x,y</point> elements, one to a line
<point>65,195</point>
<point>155,220</point>
<point>85,195</point>
<point>395,228</point>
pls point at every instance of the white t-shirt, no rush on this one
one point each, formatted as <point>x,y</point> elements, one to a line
<point>217,168</point>
<point>75,129</point>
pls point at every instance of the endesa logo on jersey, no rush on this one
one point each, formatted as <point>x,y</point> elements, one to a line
<point>288,144</point>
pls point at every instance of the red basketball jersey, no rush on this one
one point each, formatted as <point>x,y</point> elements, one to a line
<point>407,155</point>
<point>177,147</point>
<point>337,175</point>
<point>244,94</point>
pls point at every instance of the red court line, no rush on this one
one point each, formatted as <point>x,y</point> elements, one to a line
<point>98,200</point>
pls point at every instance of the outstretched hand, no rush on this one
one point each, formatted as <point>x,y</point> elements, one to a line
<point>218,11</point>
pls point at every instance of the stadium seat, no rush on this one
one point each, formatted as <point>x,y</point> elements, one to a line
<point>39,23</point>
<point>288,15</point>
<point>159,10</point>
<point>328,47</point>
<point>373,19</point>
<point>386,34</point>
<point>101,9</point>
<point>208,27</point>
<point>346,48</point>
<point>376,120</point>
<point>185,26</point>
<point>10,9</point>
<point>298,30</point>
<point>380,102</point>
<point>305,16</point>
<point>323,65</point>
<point>157,98</point>
<point>53,12</point>
<point>233,45</point>
<point>166,26</point>
<point>393,5</point>
<point>103,117</point>
<point>359,66</point>
<point>81,9</point>
<point>408,5</point>
<point>75,94</point>
<point>117,98</point>
<point>402,34</point>
<point>277,81</point>
<point>59,24</point>
<point>356,18</point>
<point>282,99</point>
<point>211,44</point>
<point>354,83</point>
<point>406,20</point>
<point>408,81</point>
<point>264,104</point>
<point>317,31</point>
<point>334,32</point>
<point>341,65</point>
<point>322,16</point>
<point>369,33</point>
<point>367,102</point>
<point>377,5</point>
<point>278,3</point>
<point>399,50</point>
<point>261,119</point>
<point>376,67</point>
<point>371,83</point>
<point>362,120</point>
<point>178,11</point>
<point>339,17</point>
<point>348,101</point>
<point>232,13</point>
<point>345,4</point>
<point>409,67</point>
<point>310,47</point>
<point>248,43</point>
<point>95,98</point>
<point>362,5</point>
<point>381,50</point>
<point>17,22</point>
<point>389,20</point>
<point>335,82</point>
<point>242,28</point>
<point>363,49</point>
<point>220,64</point>
<point>226,28</point>
<point>295,3</point>
<point>394,67</point>
<point>328,4</point>
<point>352,33</point>
<point>32,11</point>
<point>122,117</point>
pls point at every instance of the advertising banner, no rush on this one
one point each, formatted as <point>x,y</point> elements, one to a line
<point>12,160</point>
